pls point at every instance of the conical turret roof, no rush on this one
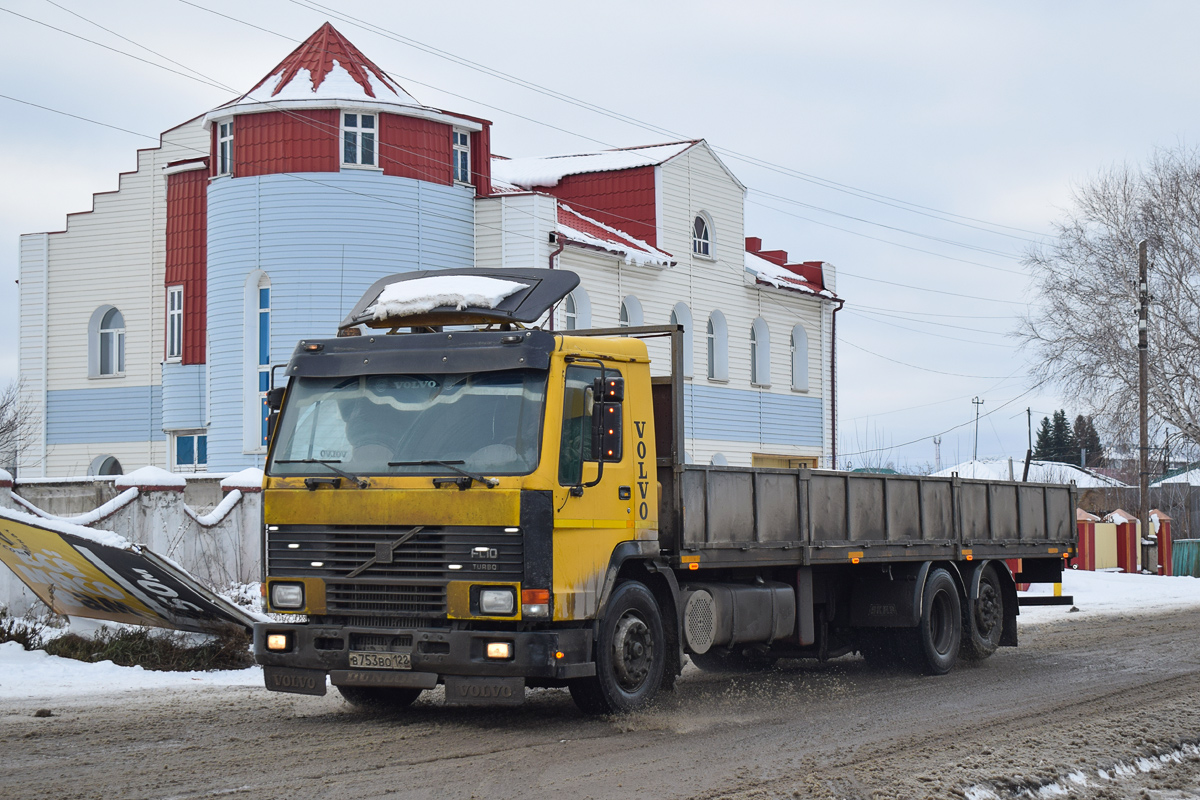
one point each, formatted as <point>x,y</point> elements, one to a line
<point>327,66</point>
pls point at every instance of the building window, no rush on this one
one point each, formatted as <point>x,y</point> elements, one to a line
<point>225,148</point>
<point>719,460</point>
<point>462,156</point>
<point>112,343</point>
<point>631,313</point>
<point>174,323</point>
<point>702,236</point>
<point>800,359</point>
<point>682,315</point>
<point>717,335</point>
<point>760,353</point>
<point>570,314</point>
<point>105,465</point>
<point>264,350</point>
<point>190,451</point>
<point>358,139</point>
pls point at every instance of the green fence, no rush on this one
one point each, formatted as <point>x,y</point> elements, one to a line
<point>1185,557</point>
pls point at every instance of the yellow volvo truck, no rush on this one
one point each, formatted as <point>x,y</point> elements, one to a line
<point>452,497</point>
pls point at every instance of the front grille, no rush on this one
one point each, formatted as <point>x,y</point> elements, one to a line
<point>380,642</point>
<point>480,553</point>
<point>385,598</point>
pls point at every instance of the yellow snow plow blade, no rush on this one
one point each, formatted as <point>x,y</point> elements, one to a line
<point>81,572</point>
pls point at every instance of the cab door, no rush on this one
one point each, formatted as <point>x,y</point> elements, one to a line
<point>594,500</point>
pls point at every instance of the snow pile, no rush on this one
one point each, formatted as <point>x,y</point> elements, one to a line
<point>1039,472</point>
<point>219,513</point>
<point>585,230</point>
<point>1114,593</point>
<point>5,476</point>
<point>406,298</point>
<point>780,277</point>
<point>35,674</point>
<point>107,538</point>
<point>549,170</point>
<point>151,477</point>
<point>88,517</point>
<point>249,478</point>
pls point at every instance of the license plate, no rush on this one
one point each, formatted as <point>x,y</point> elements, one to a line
<point>381,660</point>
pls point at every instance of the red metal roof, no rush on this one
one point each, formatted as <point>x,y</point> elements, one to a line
<point>585,231</point>
<point>317,55</point>
<point>806,276</point>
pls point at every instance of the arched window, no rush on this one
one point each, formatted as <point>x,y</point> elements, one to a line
<point>264,350</point>
<point>570,314</point>
<point>702,235</point>
<point>718,347</point>
<point>631,313</point>
<point>719,460</point>
<point>682,315</point>
<point>256,344</point>
<point>577,310</point>
<point>106,342</point>
<point>105,465</point>
<point>799,359</point>
<point>760,353</point>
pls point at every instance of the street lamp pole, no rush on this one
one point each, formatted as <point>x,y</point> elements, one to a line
<point>975,452</point>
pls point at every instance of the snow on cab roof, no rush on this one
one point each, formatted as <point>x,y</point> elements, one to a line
<point>549,170</point>
<point>575,228</point>
<point>421,295</point>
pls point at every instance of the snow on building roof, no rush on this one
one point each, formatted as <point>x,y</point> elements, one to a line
<point>781,277</point>
<point>1190,477</point>
<point>1039,472</point>
<point>327,66</point>
<point>549,170</point>
<point>577,229</point>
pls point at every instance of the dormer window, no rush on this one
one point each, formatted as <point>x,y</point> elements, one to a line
<point>462,156</point>
<point>358,139</point>
<point>225,148</point>
<point>702,236</point>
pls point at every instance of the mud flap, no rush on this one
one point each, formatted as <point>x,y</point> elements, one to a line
<point>295,681</point>
<point>82,575</point>
<point>470,691</point>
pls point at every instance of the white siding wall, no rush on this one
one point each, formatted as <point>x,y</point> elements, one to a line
<point>31,352</point>
<point>694,182</point>
<point>112,255</point>
<point>514,231</point>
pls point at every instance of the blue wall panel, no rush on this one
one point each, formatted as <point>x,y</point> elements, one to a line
<point>182,396</point>
<point>108,414</point>
<point>739,415</point>
<point>322,238</point>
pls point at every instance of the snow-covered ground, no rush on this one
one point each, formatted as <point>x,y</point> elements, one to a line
<point>32,675</point>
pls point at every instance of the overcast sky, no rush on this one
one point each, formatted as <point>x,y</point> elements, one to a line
<point>991,114</point>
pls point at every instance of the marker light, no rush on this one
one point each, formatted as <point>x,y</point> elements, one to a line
<point>499,650</point>
<point>535,602</point>
<point>277,641</point>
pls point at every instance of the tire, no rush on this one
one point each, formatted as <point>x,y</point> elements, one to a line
<point>983,619</point>
<point>740,660</point>
<point>630,655</point>
<point>375,698</point>
<point>938,637</point>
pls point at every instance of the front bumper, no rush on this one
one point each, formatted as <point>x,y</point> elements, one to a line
<point>434,652</point>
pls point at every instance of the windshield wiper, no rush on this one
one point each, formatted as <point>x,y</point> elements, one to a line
<point>328,464</point>
<point>472,476</point>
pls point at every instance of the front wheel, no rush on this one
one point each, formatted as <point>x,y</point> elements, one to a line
<point>377,698</point>
<point>630,654</point>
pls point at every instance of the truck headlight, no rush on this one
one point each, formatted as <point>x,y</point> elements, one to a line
<point>287,595</point>
<point>497,601</point>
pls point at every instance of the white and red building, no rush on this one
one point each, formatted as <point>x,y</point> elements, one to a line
<point>150,325</point>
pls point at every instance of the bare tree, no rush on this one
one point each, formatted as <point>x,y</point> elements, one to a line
<point>14,425</point>
<point>1083,329</point>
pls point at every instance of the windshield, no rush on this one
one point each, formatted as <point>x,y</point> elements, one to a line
<point>487,422</point>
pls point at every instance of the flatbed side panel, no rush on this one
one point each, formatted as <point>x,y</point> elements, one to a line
<point>739,514</point>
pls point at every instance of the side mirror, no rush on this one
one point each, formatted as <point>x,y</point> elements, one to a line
<point>272,419</point>
<point>275,398</point>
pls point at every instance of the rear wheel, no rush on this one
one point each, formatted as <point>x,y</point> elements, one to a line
<point>376,698</point>
<point>983,621</point>
<point>939,634</point>
<point>630,654</point>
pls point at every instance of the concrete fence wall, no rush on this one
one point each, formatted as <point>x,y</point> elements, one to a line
<point>211,530</point>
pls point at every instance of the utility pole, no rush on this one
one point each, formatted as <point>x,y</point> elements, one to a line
<point>975,452</point>
<point>1143,396</point>
<point>1029,426</point>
